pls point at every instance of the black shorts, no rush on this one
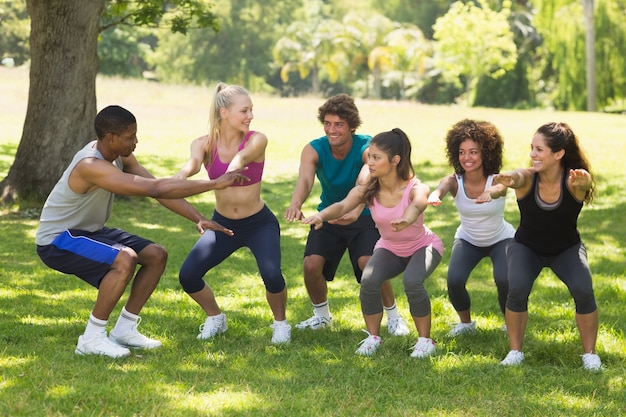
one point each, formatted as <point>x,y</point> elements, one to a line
<point>331,242</point>
<point>88,255</point>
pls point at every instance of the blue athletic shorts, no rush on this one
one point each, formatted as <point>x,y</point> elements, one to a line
<point>88,255</point>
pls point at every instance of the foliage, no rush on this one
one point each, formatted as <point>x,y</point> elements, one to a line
<point>123,50</point>
<point>240,53</point>
<point>472,41</point>
<point>562,26</point>
<point>422,13</point>
<point>14,30</point>
<point>238,374</point>
<point>177,15</point>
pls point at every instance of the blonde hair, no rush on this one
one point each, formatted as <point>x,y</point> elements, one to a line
<point>223,98</point>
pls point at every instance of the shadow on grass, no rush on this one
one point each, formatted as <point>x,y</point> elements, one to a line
<point>240,374</point>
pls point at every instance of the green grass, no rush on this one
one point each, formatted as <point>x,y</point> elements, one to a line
<point>240,373</point>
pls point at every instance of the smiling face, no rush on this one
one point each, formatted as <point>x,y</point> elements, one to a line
<point>470,156</point>
<point>541,156</point>
<point>239,114</point>
<point>338,130</point>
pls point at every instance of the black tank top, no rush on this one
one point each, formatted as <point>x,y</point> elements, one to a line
<point>548,229</point>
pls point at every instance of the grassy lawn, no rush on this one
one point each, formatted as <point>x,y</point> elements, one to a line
<point>240,373</point>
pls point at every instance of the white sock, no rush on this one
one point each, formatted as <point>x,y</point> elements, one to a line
<point>392,312</point>
<point>281,321</point>
<point>322,310</point>
<point>95,327</point>
<point>125,322</point>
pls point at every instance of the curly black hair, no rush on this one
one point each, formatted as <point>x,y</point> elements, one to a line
<point>486,136</point>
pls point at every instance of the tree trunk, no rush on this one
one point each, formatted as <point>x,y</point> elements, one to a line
<point>590,54</point>
<point>62,95</point>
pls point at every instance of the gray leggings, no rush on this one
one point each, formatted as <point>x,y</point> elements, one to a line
<point>384,265</point>
<point>464,259</point>
<point>570,266</point>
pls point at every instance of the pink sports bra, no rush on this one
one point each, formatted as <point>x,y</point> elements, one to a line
<point>218,168</point>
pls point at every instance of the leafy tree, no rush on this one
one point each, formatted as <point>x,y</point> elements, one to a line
<point>241,52</point>
<point>14,28</point>
<point>564,53</point>
<point>362,33</point>
<point>471,42</point>
<point>62,95</point>
<point>422,13</point>
<point>513,89</point>
<point>309,47</point>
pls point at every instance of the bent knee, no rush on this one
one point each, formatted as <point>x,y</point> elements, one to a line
<point>153,254</point>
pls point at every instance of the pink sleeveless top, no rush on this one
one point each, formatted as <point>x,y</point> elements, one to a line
<point>218,168</point>
<point>405,242</point>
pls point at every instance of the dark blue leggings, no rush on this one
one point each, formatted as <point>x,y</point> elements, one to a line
<point>259,232</point>
<point>570,266</point>
<point>464,259</point>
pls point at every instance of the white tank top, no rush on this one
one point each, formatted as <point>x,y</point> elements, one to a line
<point>481,224</point>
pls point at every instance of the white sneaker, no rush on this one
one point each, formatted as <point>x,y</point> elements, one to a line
<point>462,328</point>
<point>513,358</point>
<point>592,362</point>
<point>423,348</point>
<point>281,333</point>
<point>134,339</point>
<point>397,327</point>
<point>213,326</point>
<point>100,345</point>
<point>369,345</point>
<point>315,323</point>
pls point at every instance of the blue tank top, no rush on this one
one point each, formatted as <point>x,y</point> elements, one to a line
<point>338,177</point>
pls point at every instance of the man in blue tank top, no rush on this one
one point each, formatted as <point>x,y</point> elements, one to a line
<point>339,160</point>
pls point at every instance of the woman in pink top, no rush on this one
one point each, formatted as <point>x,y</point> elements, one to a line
<point>231,145</point>
<point>397,200</point>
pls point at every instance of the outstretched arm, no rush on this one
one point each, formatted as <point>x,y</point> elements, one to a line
<point>446,185</point>
<point>196,156</point>
<point>355,213</point>
<point>334,211</point>
<point>419,202</point>
<point>304,185</point>
<point>253,151</point>
<point>494,192</point>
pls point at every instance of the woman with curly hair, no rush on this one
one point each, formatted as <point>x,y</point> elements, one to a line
<point>474,149</point>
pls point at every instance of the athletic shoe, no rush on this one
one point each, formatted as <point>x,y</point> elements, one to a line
<point>397,327</point>
<point>504,328</point>
<point>462,328</point>
<point>134,339</point>
<point>281,333</point>
<point>513,358</point>
<point>315,323</point>
<point>423,348</point>
<point>100,345</point>
<point>592,362</point>
<point>369,345</point>
<point>213,326</point>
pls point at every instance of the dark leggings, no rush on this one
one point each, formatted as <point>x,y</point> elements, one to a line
<point>259,232</point>
<point>464,259</point>
<point>570,266</point>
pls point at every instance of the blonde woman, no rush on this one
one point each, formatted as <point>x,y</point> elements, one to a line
<point>231,145</point>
